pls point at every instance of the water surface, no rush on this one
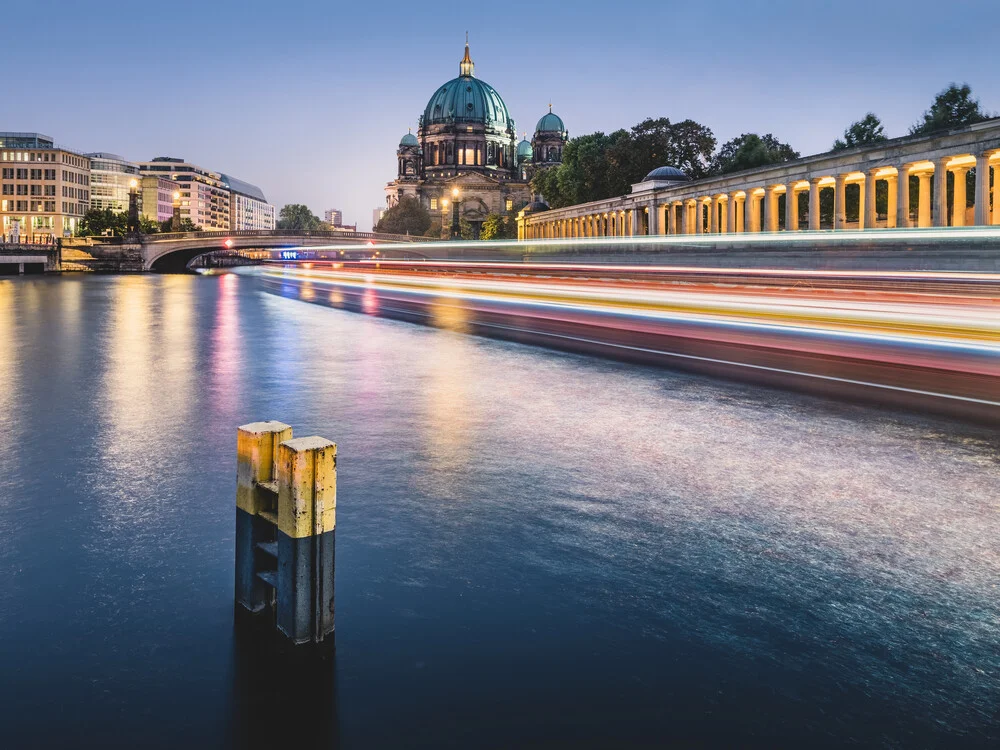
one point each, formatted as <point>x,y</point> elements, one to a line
<point>535,549</point>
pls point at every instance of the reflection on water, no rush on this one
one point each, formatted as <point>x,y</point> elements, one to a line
<point>598,554</point>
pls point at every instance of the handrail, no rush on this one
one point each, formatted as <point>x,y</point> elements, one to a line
<point>221,234</point>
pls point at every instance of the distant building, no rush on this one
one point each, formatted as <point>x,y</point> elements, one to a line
<point>466,147</point>
<point>157,197</point>
<point>44,189</point>
<point>205,199</point>
<point>110,181</point>
<point>248,208</point>
<point>377,215</point>
<point>334,217</point>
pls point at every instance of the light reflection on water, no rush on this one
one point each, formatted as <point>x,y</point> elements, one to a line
<point>605,554</point>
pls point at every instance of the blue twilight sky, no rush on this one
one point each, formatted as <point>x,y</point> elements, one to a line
<point>309,99</point>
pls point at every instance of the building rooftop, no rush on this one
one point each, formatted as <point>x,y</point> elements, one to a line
<point>243,188</point>
<point>25,140</point>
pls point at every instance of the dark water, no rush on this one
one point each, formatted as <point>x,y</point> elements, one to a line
<point>534,549</point>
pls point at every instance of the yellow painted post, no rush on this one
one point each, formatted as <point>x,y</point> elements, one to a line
<point>256,506</point>
<point>307,519</point>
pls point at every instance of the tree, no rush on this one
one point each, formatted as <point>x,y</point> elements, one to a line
<point>749,151</point>
<point>99,221</point>
<point>298,216</point>
<point>497,227</point>
<point>598,166</point>
<point>147,225</point>
<point>952,108</point>
<point>865,132</point>
<point>406,217</point>
<point>186,225</point>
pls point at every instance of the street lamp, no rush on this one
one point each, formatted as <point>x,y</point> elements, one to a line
<point>175,222</point>
<point>133,206</point>
<point>456,233</point>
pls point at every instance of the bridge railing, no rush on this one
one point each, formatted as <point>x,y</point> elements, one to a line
<point>223,235</point>
<point>19,248</point>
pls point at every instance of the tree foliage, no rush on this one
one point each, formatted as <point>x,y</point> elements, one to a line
<point>298,216</point>
<point>600,165</point>
<point>749,151</point>
<point>497,227</point>
<point>186,225</point>
<point>406,217</point>
<point>98,221</point>
<point>952,108</point>
<point>865,132</point>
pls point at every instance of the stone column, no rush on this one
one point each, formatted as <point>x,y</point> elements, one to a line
<point>713,220</point>
<point>903,198</point>
<point>995,216</point>
<point>749,213</point>
<point>791,209</point>
<point>770,209</point>
<point>958,198</point>
<point>839,210</point>
<point>869,204</point>
<point>924,201</point>
<point>685,218</point>
<point>982,196</point>
<point>654,219</point>
<point>671,218</point>
<point>699,216</point>
<point>940,213</point>
<point>814,202</point>
<point>731,213</point>
<point>890,213</point>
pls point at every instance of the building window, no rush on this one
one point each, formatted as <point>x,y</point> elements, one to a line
<point>434,204</point>
<point>509,204</point>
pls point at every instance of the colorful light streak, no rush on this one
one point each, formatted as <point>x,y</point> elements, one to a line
<point>926,342</point>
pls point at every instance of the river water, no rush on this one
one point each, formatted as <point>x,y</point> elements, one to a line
<point>534,549</point>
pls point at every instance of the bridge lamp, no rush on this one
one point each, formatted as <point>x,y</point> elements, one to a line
<point>175,222</point>
<point>228,244</point>
<point>133,205</point>
<point>455,231</point>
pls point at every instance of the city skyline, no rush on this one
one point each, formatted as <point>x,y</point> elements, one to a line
<point>802,74</point>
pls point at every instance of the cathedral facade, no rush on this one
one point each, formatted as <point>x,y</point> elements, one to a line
<point>466,149</point>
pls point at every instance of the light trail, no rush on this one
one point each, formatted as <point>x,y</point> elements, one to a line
<point>924,347</point>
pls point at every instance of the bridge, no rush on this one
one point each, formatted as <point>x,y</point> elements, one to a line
<point>174,251</point>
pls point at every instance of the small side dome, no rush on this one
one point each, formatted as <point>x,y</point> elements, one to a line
<point>409,140</point>
<point>524,151</point>
<point>666,174</point>
<point>536,205</point>
<point>550,123</point>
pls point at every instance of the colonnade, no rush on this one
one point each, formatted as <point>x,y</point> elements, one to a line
<point>755,208</point>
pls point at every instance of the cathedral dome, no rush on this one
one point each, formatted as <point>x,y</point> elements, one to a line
<point>466,100</point>
<point>550,123</point>
<point>524,151</point>
<point>409,140</point>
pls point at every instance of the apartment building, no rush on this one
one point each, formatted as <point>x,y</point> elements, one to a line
<point>44,188</point>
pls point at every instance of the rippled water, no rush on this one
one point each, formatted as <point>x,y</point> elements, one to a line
<point>535,549</point>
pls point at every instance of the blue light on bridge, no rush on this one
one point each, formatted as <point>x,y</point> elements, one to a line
<point>289,254</point>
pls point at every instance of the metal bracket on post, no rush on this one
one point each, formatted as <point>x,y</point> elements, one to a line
<point>286,513</point>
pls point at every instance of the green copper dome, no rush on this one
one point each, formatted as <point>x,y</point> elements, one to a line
<point>466,99</point>
<point>550,123</point>
<point>409,140</point>
<point>524,151</point>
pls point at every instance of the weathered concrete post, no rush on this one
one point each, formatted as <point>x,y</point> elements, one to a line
<point>256,508</point>
<point>307,518</point>
<point>286,514</point>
